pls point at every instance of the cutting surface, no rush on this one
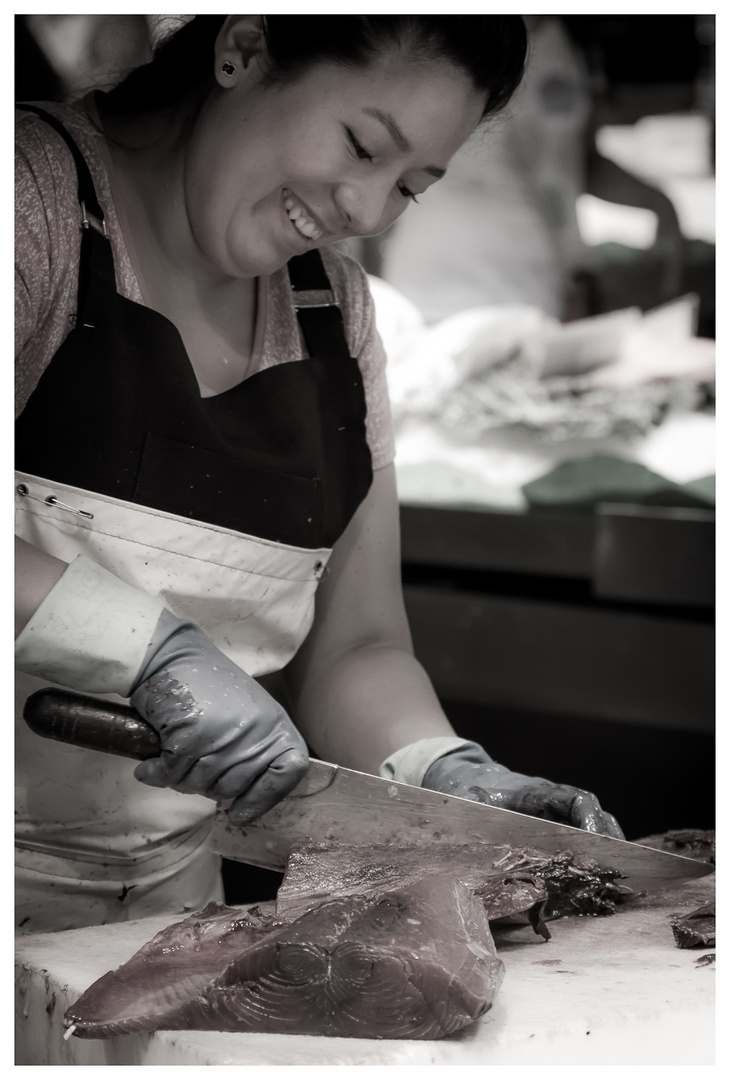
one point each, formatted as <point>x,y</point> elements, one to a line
<point>602,991</point>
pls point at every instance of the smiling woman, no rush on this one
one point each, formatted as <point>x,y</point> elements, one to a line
<point>367,110</point>
<point>234,442</point>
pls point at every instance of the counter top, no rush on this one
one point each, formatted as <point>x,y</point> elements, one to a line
<point>603,991</point>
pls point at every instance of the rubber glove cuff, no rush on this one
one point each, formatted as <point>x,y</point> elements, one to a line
<point>410,764</point>
<point>90,633</point>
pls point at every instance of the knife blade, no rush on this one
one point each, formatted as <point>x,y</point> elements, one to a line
<point>350,807</point>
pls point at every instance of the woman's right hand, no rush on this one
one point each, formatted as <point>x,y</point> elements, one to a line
<point>222,734</point>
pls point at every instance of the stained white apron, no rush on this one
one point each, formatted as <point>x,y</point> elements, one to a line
<point>92,843</point>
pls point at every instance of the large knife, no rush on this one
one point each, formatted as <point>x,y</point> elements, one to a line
<point>338,804</point>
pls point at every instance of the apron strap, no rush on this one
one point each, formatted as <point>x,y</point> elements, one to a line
<point>96,259</point>
<point>315,303</point>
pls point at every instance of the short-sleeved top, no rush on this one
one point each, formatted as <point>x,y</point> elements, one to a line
<point>47,246</point>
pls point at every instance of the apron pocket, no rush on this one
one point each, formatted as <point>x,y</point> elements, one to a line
<point>211,487</point>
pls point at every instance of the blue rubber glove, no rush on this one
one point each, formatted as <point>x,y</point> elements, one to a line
<point>222,735</point>
<point>469,772</point>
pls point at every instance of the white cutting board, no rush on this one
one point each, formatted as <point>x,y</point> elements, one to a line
<point>602,991</point>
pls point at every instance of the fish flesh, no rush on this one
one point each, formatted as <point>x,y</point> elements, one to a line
<point>692,843</point>
<point>409,963</point>
<point>150,990</point>
<point>695,929</point>
<point>507,880</point>
<point>576,885</point>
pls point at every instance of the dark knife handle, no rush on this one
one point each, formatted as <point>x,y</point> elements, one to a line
<point>91,723</point>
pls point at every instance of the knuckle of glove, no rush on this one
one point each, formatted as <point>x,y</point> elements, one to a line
<point>587,814</point>
<point>275,776</point>
<point>152,772</point>
<point>294,766</point>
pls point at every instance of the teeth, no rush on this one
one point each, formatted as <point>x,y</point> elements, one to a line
<point>300,220</point>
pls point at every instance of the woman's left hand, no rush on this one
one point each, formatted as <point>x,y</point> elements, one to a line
<point>470,773</point>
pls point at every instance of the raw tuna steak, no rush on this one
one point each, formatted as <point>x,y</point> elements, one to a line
<point>410,963</point>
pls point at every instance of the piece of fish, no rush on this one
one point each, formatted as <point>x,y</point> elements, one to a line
<point>409,963</point>
<point>507,880</point>
<point>365,941</point>
<point>691,843</point>
<point>575,884</point>
<point>695,929</point>
<point>150,990</point>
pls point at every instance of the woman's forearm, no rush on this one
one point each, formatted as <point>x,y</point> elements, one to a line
<point>355,689</point>
<point>364,705</point>
<point>35,575</point>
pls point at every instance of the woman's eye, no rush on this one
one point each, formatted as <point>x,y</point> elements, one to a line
<point>365,155</point>
<point>360,151</point>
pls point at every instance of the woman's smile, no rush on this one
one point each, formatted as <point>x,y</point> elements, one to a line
<point>301,217</point>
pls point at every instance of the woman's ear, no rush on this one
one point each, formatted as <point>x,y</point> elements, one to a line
<point>240,41</point>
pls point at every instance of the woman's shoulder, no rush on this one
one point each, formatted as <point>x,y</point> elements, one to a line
<point>44,163</point>
<point>34,134</point>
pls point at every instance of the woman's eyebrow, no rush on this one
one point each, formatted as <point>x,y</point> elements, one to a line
<point>391,126</point>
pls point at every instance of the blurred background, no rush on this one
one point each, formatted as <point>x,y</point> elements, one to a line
<point>549,315</point>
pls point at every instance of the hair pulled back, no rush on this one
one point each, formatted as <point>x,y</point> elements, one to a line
<point>490,49</point>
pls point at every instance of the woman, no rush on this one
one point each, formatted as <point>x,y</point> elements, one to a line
<point>203,441</point>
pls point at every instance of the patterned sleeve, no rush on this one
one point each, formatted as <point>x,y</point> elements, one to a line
<point>44,243</point>
<point>351,287</point>
<point>32,249</point>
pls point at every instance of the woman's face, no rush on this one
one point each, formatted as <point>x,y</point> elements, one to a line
<point>271,172</point>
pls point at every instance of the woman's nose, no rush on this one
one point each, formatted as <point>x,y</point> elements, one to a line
<point>363,205</point>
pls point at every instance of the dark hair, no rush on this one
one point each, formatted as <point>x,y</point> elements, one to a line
<point>490,49</point>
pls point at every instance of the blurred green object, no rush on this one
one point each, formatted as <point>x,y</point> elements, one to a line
<point>583,482</point>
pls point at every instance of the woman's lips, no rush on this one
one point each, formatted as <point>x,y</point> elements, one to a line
<point>300,218</point>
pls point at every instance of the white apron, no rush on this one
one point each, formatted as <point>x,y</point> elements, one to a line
<point>109,847</point>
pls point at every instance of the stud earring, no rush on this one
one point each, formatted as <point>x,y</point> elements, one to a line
<point>228,69</point>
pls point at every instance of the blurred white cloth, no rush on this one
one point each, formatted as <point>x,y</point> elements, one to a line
<point>492,398</point>
<point>617,350</point>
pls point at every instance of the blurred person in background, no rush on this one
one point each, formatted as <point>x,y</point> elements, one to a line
<point>60,57</point>
<point>502,226</point>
